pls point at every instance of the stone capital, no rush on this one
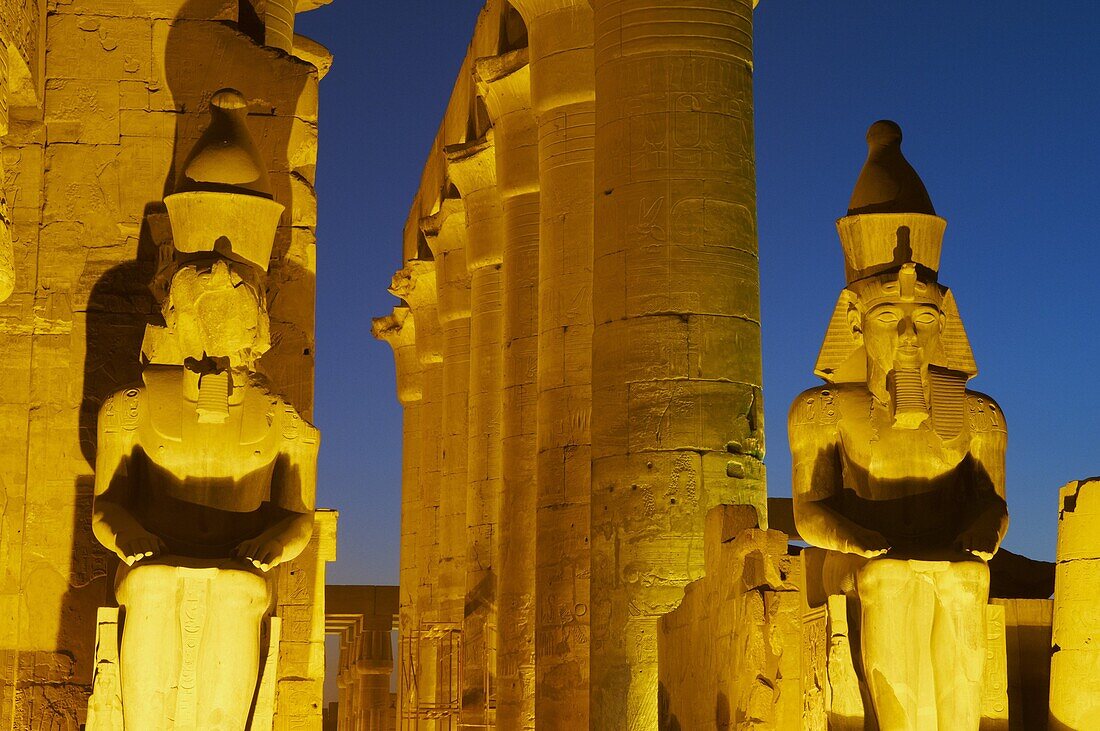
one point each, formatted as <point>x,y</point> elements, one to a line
<point>472,166</point>
<point>505,83</point>
<point>445,230</point>
<point>416,286</point>
<point>399,330</point>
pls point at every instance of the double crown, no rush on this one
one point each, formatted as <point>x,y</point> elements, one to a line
<point>890,221</point>
<point>223,201</point>
<point>892,239</point>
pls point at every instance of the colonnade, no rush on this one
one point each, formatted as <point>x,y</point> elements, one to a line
<point>578,355</point>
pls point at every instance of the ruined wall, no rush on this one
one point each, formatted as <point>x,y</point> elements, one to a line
<point>126,87</point>
<point>731,653</point>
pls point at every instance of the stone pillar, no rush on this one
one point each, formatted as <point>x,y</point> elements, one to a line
<point>363,617</point>
<point>563,98</point>
<point>677,414</point>
<point>7,265</point>
<point>374,665</point>
<point>420,687</point>
<point>472,169</point>
<point>1075,665</point>
<point>399,330</point>
<point>505,84</point>
<point>445,233</point>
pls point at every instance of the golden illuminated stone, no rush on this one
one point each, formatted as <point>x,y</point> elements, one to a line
<point>898,468</point>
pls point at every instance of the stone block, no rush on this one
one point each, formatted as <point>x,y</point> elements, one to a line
<point>82,110</point>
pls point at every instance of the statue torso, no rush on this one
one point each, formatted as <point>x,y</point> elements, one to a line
<point>916,486</point>
<point>204,487</point>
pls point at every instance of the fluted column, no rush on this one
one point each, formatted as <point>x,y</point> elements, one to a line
<point>416,286</point>
<point>399,330</point>
<point>562,95</point>
<point>677,425</point>
<point>472,169</point>
<point>505,84</point>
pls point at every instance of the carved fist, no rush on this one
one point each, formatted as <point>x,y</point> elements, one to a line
<point>980,541</point>
<point>262,552</point>
<point>134,547</point>
<point>869,544</point>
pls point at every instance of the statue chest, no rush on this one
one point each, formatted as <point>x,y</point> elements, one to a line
<point>179,443</point>
<point>882,458</point>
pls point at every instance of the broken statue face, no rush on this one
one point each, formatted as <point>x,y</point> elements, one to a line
<point>216,309</point>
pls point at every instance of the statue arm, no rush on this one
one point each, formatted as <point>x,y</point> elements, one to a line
<point>293,492</point>
<point>816,477</point>
<point>987,450</point>
<point>113,524</point>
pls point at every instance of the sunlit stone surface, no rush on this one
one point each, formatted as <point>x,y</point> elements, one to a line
<point>102,105</point>
<point>898,468</point>
<point>588,207</point>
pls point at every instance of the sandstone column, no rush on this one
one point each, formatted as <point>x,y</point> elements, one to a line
<point>416,285</point>
<point>399,330</point>
<point>445,233</point>
<point>676,350</point>
<point>505,83</point>
<point>1075,665</point>
<point>7,269</point>
<point>562,95</point>
<point>472,168</point>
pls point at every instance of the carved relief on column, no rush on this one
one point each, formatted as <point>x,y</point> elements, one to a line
<point>472,169</point>
<point>677,414</point>
<point>563,95</point>
<point>505,84</point>
<point>7,264</point>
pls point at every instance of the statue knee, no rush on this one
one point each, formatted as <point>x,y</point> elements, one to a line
<point>145,583</point>
<point>242,590</point>
<point>884,577</point>
<point>964,584</point>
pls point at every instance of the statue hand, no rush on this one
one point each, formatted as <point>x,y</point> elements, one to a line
<point>262,552</point>
<point>979,540</point>
<point>133,547</point>
<point>868,543</point>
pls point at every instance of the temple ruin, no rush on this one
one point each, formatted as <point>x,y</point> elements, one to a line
<point>587,540</point>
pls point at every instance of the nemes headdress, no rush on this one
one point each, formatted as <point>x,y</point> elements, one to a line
<point>892,240</point>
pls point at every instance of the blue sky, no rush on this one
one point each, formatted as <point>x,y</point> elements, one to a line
<point>999,103</point>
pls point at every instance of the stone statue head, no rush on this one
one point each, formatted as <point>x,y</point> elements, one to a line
<point>898,320</point>
<point>215,308</point>
<point>893,315</point>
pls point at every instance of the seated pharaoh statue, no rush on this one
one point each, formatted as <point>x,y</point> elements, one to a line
<point>898,468</point>
<point>205,478</point>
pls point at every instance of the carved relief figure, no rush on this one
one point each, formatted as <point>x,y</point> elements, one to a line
<point>205,478</point>
<point>899,468</point>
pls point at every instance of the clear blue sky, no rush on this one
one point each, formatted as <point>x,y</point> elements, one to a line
<point>999,102</point>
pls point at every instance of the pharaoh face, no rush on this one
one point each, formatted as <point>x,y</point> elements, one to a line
<point>216,309</point>
<point>900,322</point>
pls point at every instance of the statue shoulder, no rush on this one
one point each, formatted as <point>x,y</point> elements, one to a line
<point>824,405</point>
<point>984,414</point>
<point>294,427</point>
<point>122,410</point>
